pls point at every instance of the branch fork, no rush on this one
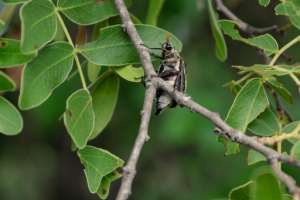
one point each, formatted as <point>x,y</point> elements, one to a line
<point>153,82</point>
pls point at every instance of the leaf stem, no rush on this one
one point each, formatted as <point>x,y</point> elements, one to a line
<point>283,49</point>
<point>68,36</point>
<point>281,137</point>
<point>280,52</point>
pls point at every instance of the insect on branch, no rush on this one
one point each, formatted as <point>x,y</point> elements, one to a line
<point>225,130</point>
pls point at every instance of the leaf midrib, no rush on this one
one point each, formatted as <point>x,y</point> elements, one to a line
<point>75,7</point>
<point>80,114</point>
<point>49,68</point>
<point>252,105</point>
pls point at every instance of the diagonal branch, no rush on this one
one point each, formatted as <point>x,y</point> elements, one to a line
<point>245,27</point>
<point>224,129</point>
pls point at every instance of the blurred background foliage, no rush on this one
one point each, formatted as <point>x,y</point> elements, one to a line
<point>183,159</point>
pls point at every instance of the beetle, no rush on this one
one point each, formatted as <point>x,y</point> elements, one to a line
<point>172,70</point>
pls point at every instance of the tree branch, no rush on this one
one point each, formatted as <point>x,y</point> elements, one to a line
<point>245,27</point>
<point>224,129</point>
<point>129,170</point>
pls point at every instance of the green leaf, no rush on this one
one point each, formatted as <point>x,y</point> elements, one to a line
<point>14,1</point>
<point>221,48</point>
<point>45,73</point>
<point>79,117</point>
<point>105,184</point>
<point>100,168</point>
<point>241,192</point>
<point>86,12</point>
<point>287,197</point>
<point>265,42</point>
<point>105,96</point>
<point>6,83</point>
<point>291,9</point>
<point>130,73</point>
<point>267,124</point>
<point>254,157</point>
<point>153,12</point>
<point>39,24</point>
<point>265,186</point>
<point>249,103</point>
<point>10,54</point>
<point>2,26</point>
<point>114,48</point>
<point>93,71</point>
<point>290,128</point>
<point>264,3</point>
<point>295,151</point>
<point>267,71</point>
<point>11,122</point>
<point>280,89</point>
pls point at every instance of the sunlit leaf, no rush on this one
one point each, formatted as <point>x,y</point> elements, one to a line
<point>221,48</point>
<point>45,73</point>
<point>114,48</point>
<point>39,24</point>
<point>79,117</point>
<point>130,73</point>
<point>93,71</point>
<point>105,95</point>
<point>11,122</point>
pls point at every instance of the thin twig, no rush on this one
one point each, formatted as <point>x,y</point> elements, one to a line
<point>225,130</point>
<point>245,27</point>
